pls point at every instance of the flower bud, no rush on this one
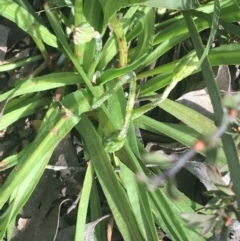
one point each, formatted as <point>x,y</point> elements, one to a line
<point>83,33</point>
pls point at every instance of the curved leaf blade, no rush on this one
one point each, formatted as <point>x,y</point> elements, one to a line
<point>108,180</point>
<point>23,111</point>
<point>114,73</point>
<point>45,82</point>
<point>27,22</point>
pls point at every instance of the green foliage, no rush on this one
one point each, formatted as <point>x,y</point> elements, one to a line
<point>27,22</point>
<point>134,42</point>
<point>185,5</point>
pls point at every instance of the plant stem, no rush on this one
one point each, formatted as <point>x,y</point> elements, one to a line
<point>78,52</point>
<point>44,52</point>
<point>122,43</point>
<point>38,70</point>
<point>130,105</point>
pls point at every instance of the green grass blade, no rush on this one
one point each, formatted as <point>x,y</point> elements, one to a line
<point>96,213</point>
<point>12,160</point>
<point>41,83</point>
<point>223,55</point>
<point>78,19</point>
<point>65,45</point>
<point>138,198</point>
<point>83,204</point>
<point>24,110</point>
<point>178,26</point>
<point>56,126</point>
<point>214,27</point>
<point>228,26</point>
<point>181,133</point>
<point>117,106</point>
<point>27,22</point>
<point>169,210</point>
<point>9,65</point>
<point>178,206</point>
<point>93,14</point>
<point>189,116</point>
<point>21,193</point>
<point>185,4</point>
<point>146,36</point>
<point>5,220</point>
<point>228,143</point>
<point>25,4</point>
<point>114,73</point>
<point>177,31</point>
<point>110,185</point>
<point>164,47</point>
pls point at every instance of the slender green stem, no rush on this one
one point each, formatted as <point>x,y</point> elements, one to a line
<point>44,51</point>
<point>38,70</point>
<point>206,68</point>
<point>130,105</point>
<point>167,68</point>
<point>78,51</point>
<point>116,139</point>
<point>122,43</point>
<point>214,28</point>
<point>227,140</point>
<point>66,21</point>
<point>122,80</point>
<point>84,196</point>
<point>143,109</point>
